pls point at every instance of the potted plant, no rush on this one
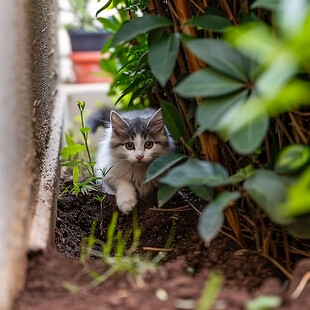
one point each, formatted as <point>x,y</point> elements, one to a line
<point>87,38</point>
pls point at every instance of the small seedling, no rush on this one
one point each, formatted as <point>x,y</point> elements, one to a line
<point>116,254</point>
<point>210,291</point>
<point>101,199</point>
<point>72,154</point>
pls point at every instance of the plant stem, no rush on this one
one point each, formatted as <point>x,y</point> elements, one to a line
<point>85,136</point>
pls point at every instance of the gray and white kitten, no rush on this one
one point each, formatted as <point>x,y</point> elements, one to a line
<point>132,140</point>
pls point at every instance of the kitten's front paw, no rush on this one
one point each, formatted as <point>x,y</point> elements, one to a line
<point>126,205</point>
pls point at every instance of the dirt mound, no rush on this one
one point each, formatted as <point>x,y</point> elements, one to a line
<point>60,281</point>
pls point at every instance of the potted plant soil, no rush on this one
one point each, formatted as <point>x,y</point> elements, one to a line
<point>86,39</point>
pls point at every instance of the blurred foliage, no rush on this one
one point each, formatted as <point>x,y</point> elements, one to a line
<point>253,69</point>
<point>132,79</point>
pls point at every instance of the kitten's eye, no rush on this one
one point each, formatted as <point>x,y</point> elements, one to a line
<point>130,145</point>
<point>148,144</point>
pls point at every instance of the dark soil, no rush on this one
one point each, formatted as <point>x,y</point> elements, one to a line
<point>57,280</point>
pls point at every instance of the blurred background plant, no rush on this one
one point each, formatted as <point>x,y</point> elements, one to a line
<point>237,69</point>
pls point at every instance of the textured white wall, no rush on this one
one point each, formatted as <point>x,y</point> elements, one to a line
<point>16,145</point>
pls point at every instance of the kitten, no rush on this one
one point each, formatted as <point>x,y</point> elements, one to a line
<point>132,140</point>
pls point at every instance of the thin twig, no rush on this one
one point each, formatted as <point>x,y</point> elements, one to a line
<point>302,284</point>
<point>146,248</point>
<point>197,6</point>
<point>231,237</point>
<point>180,209</point>
<point>301,113</point>
<point>190,204</point>
<point>296,126</point>
<point>280,267</point>
<point>291,141</point>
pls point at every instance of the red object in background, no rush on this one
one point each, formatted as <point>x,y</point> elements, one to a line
<point>86,67</point>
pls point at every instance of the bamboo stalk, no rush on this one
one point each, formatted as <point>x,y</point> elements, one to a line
<point>228,12</point>
<point>208,142</point>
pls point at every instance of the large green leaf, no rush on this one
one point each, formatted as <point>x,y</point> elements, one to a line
<point>210,111</point>
<point>222,57</point>
<point>162,164</point>
<point>290,97</point>
<point>269,191</point>
<point>277,74</point>
<point>173,120</point>
<point>162,57</point>
<point>72,149</point>
<point>139,26</point>
<point>271,5</point>
<point>300,227</point>
<point>292,15</point>
<point>212,218</point>
<point>207,83</point>
<point>196,172</point>
<point>292,158</point>
<point>256,40</point>
<point>211,22</point>
<point>202,191</point>
<point>298,202</point>
<point>250,137</point>
<point>165,192</point>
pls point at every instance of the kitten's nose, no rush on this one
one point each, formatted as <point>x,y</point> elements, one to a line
<point>139,157</point>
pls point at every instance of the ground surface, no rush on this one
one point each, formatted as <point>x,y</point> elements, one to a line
<point>57,280</point>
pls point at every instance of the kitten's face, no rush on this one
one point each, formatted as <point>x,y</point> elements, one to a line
<point>139,141</point>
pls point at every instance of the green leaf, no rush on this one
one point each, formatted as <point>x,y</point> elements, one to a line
<point>211,291</point>
<point>211,22</point>
<point>290,97</point>
<point>255,40</point>
<point>212,218</point>
<point>242,175</point>
<point>292,15</point>
<point>269,191</point>
<point>173,120</point>
<point>161,164</point>
<point>196,172</point>
<point>207,83</point>
<point>69,140</point>
<point>271,5</point>
<point>104,7</point>
<point>71,150</point>
<point>85,130</point>
<point>263,302</point>
<point>298,202</point>
<point>203,192</point>
<point>292,158</point>
<point>300,227</point>
<point>110,24</point>
<point>81,105</point>
<point>76,179</point>
<point>162,57</point>
<point>139,26</point>
<point>250,137</point>
<point>222,57</point>
<point>277,74</point>
<point>165,192</point>
<point>210,111</point>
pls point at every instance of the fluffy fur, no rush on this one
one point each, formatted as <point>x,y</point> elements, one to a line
<point>132,140</point>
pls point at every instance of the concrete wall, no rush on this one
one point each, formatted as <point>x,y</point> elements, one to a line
<point>27,89</point>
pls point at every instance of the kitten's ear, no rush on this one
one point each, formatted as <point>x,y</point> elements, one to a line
<point>119,125</point>
<point>156,121</point>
